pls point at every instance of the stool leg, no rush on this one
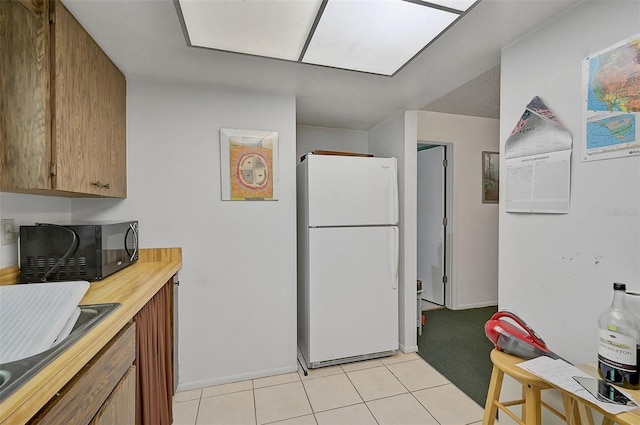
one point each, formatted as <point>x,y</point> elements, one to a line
<point>571,416</point>
<point>585,413</point>
<point>532,406</point>
<point>493,396</point>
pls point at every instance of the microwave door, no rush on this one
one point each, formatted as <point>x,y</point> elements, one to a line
<point>131,241</point>
<point>119,247</point>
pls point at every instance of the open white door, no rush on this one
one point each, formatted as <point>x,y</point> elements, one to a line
<point>432,223</point>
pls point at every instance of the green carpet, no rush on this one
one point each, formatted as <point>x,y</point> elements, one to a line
<point>454,343</point>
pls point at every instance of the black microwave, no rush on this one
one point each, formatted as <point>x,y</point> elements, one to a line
<point>89,251</point>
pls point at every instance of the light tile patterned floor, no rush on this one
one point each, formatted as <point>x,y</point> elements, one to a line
<point>398,390</point>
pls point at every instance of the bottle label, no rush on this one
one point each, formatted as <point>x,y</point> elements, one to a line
<point>617,350</point>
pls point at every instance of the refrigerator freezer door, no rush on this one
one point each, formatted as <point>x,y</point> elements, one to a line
<point>351,191</point>
<point>353,296</point>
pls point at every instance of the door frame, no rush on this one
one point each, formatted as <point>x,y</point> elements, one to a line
<point>449,289</point>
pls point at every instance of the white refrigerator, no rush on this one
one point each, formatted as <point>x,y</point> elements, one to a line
<point>347,258</point>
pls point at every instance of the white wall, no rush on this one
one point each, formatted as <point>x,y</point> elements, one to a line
<point>237,306</point>
<point>389,138</point>
<point>557,271</point>
<point>309,138</point>
<point>474,239</point>
<point>26,210</point>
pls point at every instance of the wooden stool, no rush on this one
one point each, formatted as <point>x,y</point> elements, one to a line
<point>531,387</point>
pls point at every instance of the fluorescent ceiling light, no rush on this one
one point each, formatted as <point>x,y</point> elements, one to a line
<point>272,28</point>
<point>461,5</point>
<point>373,36</point>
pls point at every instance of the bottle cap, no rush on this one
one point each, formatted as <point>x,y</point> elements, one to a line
<point>619,286</point>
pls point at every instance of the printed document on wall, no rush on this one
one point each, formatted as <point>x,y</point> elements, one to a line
<point>538,163</point>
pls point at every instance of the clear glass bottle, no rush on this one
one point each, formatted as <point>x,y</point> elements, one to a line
<point>619,342</point>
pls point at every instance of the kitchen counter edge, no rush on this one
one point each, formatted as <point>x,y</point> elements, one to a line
<point>132,287</point>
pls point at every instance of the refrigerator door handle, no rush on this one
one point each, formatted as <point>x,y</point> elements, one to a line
<point>395,191</point>
<point>396,256</point>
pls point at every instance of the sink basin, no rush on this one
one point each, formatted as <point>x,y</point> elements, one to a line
<point>14,374</point>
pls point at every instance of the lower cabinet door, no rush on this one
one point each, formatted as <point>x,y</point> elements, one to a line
<point>82,398</point>
<point>120,407</point>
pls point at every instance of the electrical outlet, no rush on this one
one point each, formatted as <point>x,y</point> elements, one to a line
<point>7,227</point>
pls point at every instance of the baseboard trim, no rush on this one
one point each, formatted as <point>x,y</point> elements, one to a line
<point>185,386</point>
<point>475,305</point>
<point>408,349</point>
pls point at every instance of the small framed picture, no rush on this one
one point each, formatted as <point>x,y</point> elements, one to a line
<point>249,165</point>
<point>490,177</point>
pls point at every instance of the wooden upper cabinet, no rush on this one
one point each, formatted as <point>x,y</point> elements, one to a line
<point>25,149</point>
<point>89,137</point>
<point>64,120</point>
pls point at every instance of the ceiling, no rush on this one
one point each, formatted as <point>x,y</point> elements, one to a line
<point>377,37</point>
<point>458,73</point>
<point>479,97</point>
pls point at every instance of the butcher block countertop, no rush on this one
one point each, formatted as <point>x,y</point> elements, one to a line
<point>132,287</point>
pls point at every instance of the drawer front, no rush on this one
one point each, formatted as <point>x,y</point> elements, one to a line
<point>79,400</point>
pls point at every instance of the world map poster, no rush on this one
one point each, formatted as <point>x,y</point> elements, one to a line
<point>611,80</point>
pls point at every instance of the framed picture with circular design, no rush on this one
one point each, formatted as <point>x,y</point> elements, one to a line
<point>249,165</point>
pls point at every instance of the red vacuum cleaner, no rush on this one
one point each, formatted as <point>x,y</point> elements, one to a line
<point>521,340</point>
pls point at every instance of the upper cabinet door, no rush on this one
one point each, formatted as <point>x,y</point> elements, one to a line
<point>62,106</point>
<point>24,100</point>
<point>89,113</point>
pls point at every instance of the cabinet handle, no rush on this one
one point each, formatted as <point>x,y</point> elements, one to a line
<point>98,184</point>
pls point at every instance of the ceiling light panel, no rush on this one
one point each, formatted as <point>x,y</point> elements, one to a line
<point>272,28</point>
<point>376,36</point>
<point>461,5</point>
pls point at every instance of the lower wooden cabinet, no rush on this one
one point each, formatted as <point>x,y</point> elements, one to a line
<point>100,389</point>
<point>120,407</point>
<point>130,381</point>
